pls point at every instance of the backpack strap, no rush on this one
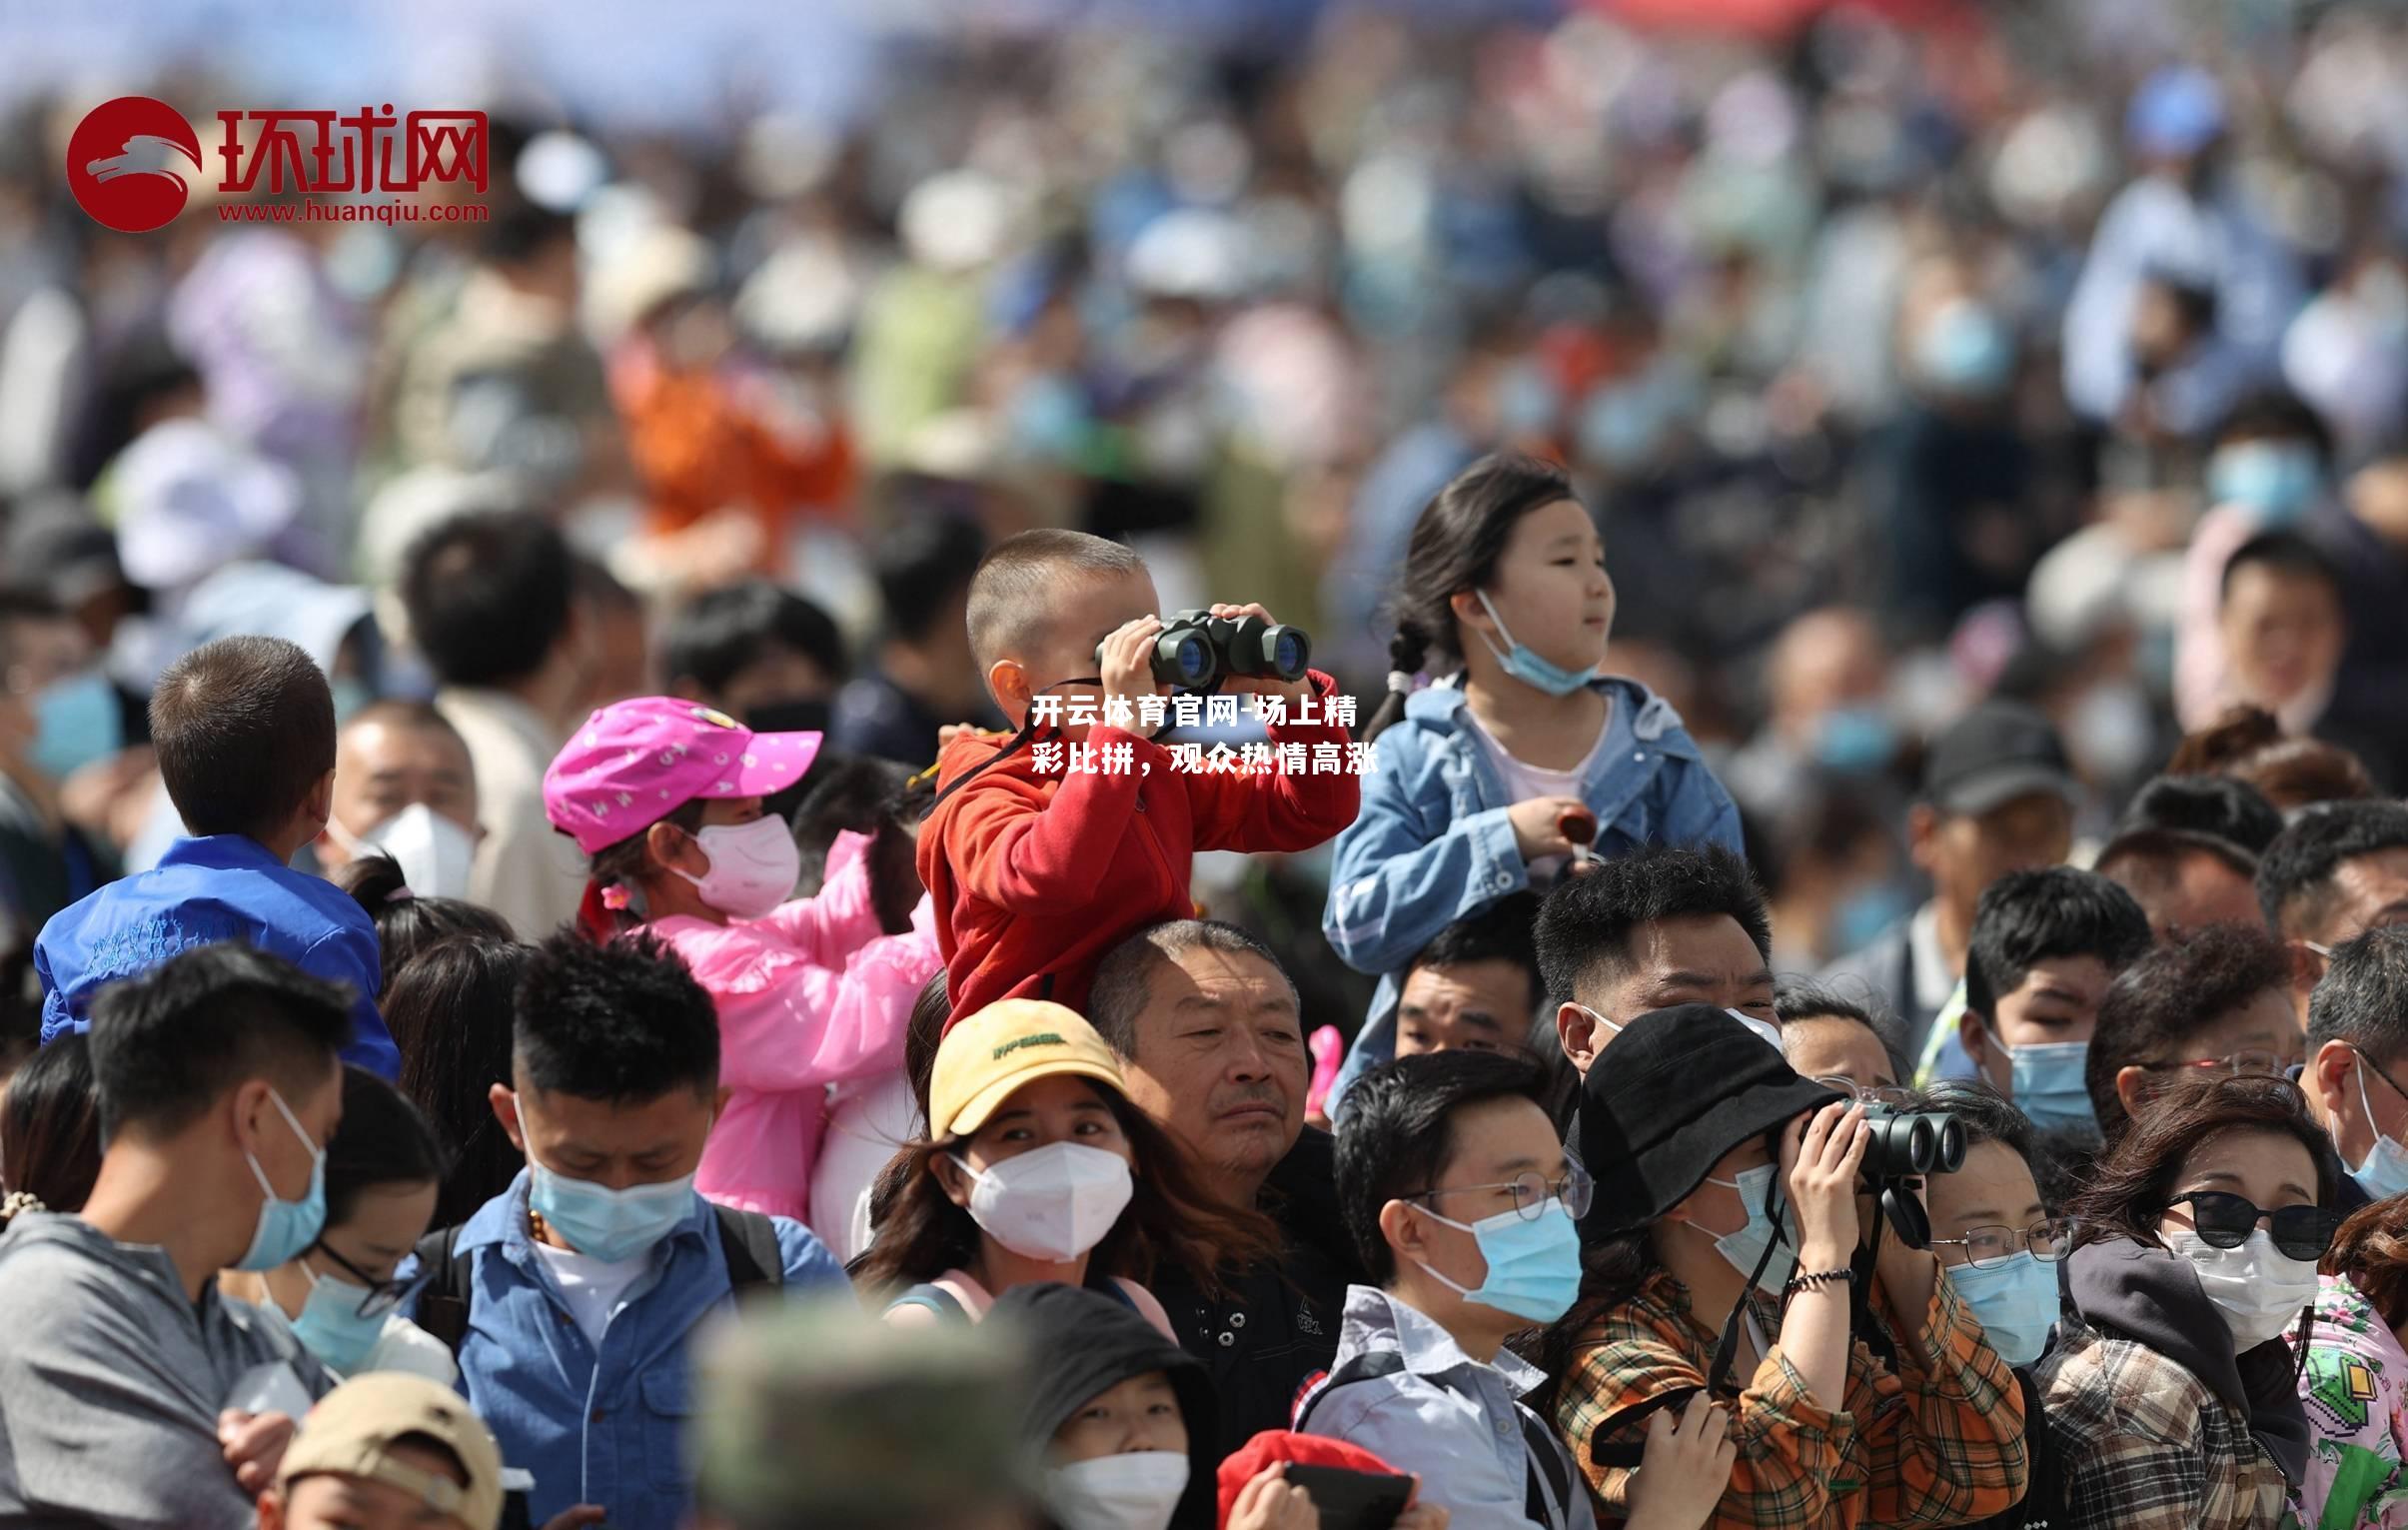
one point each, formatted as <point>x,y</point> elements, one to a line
<point>443,1307</point>
<point>748,1243</point>
<point>1545,1455</point>
<point>936,1299</point>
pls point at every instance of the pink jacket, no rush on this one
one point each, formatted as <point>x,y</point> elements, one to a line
<point>810,994</point>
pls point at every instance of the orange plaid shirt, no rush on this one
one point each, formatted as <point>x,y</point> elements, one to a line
<point>1937,1442</point>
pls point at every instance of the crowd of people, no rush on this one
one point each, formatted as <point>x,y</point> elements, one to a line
<point>1441,774</point>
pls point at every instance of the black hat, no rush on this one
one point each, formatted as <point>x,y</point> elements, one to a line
<point>65,554</point>
<point>1992,755</point>
<point>1085,1343</point>
<point>2217,813</point>
<point>1673,1093</point>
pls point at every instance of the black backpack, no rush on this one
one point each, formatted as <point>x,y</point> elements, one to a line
<point>748,1240</point>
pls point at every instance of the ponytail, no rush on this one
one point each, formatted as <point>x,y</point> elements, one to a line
<point>1408,651</point>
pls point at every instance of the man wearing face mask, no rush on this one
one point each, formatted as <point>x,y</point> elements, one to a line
<point>2357,1049</point>
<point>406,788</point>
<point>761,654</point>
<point>1449,1168</point>
<point>220,1087</point>
<point>2046,944</point>
<point>56,714</point>
<point>571,1297</point>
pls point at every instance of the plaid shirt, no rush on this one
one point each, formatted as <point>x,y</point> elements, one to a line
<point>2147,1445</point>
<point>1939,1442</point>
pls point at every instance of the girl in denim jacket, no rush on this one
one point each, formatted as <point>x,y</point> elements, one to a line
<point>1473,778</point>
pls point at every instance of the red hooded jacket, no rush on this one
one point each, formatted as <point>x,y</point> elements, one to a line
<point>1036,876</point>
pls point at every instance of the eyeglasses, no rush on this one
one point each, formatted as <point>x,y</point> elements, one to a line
<point>1870,1093</point>
<point>382,1295</point>
<point>2252,1062</point>
<point>1531,1192</point>
<point>2225,1221</point>
<point>1990,1245</point>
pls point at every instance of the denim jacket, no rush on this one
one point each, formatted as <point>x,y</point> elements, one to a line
<point>608,1428</point>
<point>1433,844</point>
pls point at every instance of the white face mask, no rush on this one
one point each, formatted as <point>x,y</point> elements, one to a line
<point>1053,1203</point>
<point>1137,1491</point>
<point>2258,1290</point>
<point>435,854</point>
<point>752,866</point>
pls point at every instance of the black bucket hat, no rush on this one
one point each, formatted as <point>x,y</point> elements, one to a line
<point>1677,1090</point>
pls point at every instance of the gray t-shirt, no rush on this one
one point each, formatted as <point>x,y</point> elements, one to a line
<point>111,1382</point>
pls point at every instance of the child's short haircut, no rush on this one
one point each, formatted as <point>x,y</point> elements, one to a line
<point>624,1021</point>
<point>245,731</point>
<point>1400,1134</point>
<point>487,593</point>
<point>1018,590</point>
<point>2049,915</point>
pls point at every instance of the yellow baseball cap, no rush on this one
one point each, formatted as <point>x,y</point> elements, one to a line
<point>1010,1042</point>
<point>352,1431</point>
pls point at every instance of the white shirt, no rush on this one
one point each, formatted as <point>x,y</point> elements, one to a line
<point>595,1288</point>
<point>525,872</point>
<point>1523,781</point>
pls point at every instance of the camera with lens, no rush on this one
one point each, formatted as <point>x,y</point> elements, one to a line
<point>1195,650</point>
<point>1906,1145</point>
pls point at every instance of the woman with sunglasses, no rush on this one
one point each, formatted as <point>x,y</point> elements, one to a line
<point>1722,1256</point>
<point>2171,1395</point>
<point>340,1296</point>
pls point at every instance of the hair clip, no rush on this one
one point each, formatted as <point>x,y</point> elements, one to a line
<point>927,775</point>
<point>1398,680</point>
<point>614,896</point>
<point>400,894</point>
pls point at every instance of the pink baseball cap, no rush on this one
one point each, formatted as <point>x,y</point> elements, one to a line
<point>635,763</point>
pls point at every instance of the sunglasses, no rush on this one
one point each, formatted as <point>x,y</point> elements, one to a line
<point>2225,1221</point>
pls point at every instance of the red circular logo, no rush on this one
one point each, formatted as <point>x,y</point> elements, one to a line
<point>128,163</point>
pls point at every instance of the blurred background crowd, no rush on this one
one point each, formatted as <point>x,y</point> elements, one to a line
<point>1913,353</point>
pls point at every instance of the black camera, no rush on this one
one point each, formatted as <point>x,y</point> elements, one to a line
<point>1195,648</point>
<point>1907,1143</point>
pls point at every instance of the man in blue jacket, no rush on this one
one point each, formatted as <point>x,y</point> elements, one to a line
<point>245,732</point>
<point>578,1288</point>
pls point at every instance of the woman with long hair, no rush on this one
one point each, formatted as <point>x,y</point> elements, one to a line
<point>2170,1393</point>
<point>1037,1169</point>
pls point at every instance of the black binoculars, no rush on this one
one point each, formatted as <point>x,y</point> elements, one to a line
<point>1910,1142</point>
<point>1195,648</point>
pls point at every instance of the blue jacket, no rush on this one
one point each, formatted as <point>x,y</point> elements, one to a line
<point>218,888</point>
<point>601,1428</point>
<point>1433,846</point>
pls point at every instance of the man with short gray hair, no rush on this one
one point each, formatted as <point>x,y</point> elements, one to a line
<point>1211,1042</point>
<point>2358,1062</point>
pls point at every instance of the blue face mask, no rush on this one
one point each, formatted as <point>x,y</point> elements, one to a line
<point>76,721</point>
<point>2277,479</point>
<point>607,1224</point>
<point>1526,665</point>
<point>285,1227</point>
<point>2017,1302</point>
<point>1744,1247</point>
<point>1534,1266</point>
<point>2046,1081</point>
<point>1855,740</point>
<point>1965,351</point>
<point>2384,1173</point>
<point>330,1325</point>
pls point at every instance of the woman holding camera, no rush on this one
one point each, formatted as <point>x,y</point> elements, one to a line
<point>2171,1395</point>
<point>1723,1254</point>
